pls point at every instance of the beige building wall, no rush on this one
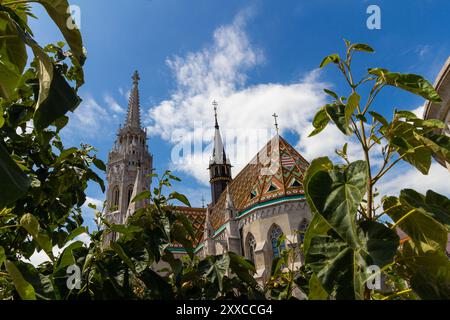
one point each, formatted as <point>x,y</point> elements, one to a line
<point>259,223</point>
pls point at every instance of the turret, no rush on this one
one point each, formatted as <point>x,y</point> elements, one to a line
<point>219,165</point>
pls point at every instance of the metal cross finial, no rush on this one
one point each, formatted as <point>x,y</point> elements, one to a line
<point>275,116</point>
<point>203,201</point>
<point>136,77</point>
<point>215,104</point>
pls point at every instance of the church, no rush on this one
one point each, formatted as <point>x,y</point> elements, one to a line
<point>248,212</point>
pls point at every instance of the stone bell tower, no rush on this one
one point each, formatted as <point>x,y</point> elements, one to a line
<point>219,164</point>
<point>129,163</point>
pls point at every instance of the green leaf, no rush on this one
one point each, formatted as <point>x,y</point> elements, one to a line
<point>56,96</point>
<point>403,136</point>
<point>341,268</point>
<point>24,288</point>
<point>337,113</point>
<point>99,164</point>
<point>122,254</point>
<point>12,51</point>
<point>180,197</point>
<point>75,233</point>
<point>379,118</point>
<point>410,82</point>
<point>2,118</point>
<point>215,268</point>
<point>2,256</point>
<point>125,229</point>
<point>317,226</point>
<point>428,272</point>
<point>408,115</point>
<point>142,196</point>
<point>331,93</point>
<point>316,291</point>
<point>425,219</point>
<point>59,11</point>
<point>361,47</point>
<point>66,258</point>
<point>31,224</point>
<point>352,104</point>
<point>14,183</point>
<point>336,195</point>
<point>320,122</point>
<point>243,268</point>
<point>438,144</point>
<point>60,99</point>
<point>331,58</point>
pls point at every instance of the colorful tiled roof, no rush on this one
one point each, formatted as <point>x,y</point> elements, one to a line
<point>275,172</point>
<point>197,216</point>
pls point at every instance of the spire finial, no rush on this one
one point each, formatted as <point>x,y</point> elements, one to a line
<point>136,78</point>
<point>133,116</point>
<point>203,201</point>
<point>275,116</point>
<point>215,105</point>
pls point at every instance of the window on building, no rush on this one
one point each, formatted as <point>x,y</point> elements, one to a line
<point>274,235</point>
<point>272,188</point>
<point>295,183</point>
<point>251,246</point>
<point>116,194</point>
<point>129,194</point>
<point>301,231</point>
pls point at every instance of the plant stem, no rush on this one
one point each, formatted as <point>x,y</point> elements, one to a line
<point>397,294</point>
<point>403,218</point>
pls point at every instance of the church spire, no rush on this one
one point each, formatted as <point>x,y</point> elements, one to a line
<point>134,116</point>
<point>218,155</point>
<point>219,166</point>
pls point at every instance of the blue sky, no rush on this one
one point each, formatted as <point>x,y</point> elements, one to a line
<point>255,58</point>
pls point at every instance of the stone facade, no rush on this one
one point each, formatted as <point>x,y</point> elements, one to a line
<point>441,111</point>
<point>129,164</point>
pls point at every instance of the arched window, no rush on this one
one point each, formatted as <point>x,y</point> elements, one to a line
<point>301,231</point>
<point>250,247</point>
<point>116,195</point>
<point>129,194</point>
<point>275,234</point>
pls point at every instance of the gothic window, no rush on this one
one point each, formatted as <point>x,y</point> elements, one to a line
<point>251,246</point>
<point>129,194</point>
<point>274,235</point>
<point>301,231</point>
<point>116,194</point>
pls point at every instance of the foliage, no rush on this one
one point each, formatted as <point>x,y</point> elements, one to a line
<point>347,234</point>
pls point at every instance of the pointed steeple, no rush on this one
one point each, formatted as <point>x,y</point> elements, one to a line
<point>134,113</point>
<point>219,165</point>
<point>218,154</point>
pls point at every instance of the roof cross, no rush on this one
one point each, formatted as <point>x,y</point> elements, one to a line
<point>215,104</point>
<point>275,116</point>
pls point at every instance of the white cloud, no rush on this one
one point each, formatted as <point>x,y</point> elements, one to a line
<point>90,120</point>
<point>113,105</point>
<point>39,257</point>
<point>409,178</point>
<point>89,213</point>
<point>419,111</point>
<point>218,72</point>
